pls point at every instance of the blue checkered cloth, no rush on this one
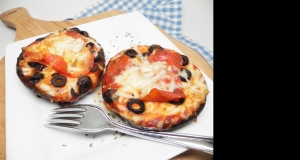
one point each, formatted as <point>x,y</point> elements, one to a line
<point>164,13</point>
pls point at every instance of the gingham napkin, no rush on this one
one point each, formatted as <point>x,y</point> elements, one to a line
<point>164,13</point>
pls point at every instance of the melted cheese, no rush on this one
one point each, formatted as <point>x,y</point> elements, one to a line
<point>138,79</point>
<point>27,71</point>
<point>59,44</point>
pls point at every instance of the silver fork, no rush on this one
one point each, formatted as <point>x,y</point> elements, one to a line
<point>91,118</point>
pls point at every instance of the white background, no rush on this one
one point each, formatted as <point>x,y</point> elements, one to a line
<point>197,17</point>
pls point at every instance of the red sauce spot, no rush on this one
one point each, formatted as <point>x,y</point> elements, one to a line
<point>167,122</point>
<point>153,122</point>
<point>195,67</point>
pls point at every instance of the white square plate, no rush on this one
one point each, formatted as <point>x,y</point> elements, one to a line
<point>27,138</point>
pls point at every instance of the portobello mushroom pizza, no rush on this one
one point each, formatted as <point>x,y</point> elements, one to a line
<point>63,66</point>
<point>154,88</point>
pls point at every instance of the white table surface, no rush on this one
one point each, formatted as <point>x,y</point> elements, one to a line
<point>197,17</point>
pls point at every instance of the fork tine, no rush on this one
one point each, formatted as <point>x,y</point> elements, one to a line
<point>59,125</point>
<point>67,115</point>
<point>69,109</point>
<point>64,121</point>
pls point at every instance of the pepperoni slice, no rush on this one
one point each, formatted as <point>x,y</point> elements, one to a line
<point>171,57</point>
<point>115,67</point>
<point>156,95</point>
<point>57,62</point>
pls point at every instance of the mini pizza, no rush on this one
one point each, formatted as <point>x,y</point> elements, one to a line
<point>63,66</point>
<point>154,88</point>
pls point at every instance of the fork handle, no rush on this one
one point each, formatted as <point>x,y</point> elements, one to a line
<point>172,135</point>
<point>167,135</point>
<point>202,147</point>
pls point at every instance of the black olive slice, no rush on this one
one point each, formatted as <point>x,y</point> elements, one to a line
<point>75,29</point>
<point>36,65</point>
<point>107,96</point>
<point>187,72</point>
<point>55,74</point>
<point>40,39</point>
<point>131,53</point>
<point>58,80</point>
<point>132,103</point>
<point>95,68</point>
<point>146,54</point>
<point>33,64</point>
<point>74,93</point>
<point>180,101</point>
<point>185,60</point>
<point>90,45</point>
<point>86,34</point>
<point>99,56</point>
<point>153,47</point>
<point>40,67</point>
<point>84,83</point>
<point>36,77</point>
